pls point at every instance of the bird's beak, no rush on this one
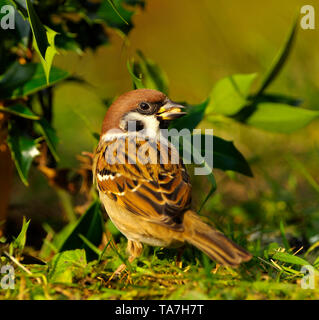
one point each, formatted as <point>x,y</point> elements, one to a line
<point>170,111</point>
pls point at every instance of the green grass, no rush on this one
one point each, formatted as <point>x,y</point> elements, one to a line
<point>155,276</point>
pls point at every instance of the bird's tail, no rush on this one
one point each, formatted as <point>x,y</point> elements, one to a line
<point>212,242</point>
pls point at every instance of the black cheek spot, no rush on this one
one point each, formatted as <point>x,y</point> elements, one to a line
<point>137,126</point>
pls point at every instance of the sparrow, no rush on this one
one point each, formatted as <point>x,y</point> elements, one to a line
<point>150,201</point>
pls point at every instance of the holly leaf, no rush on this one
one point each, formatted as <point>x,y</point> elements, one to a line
<point>20,111</point>
<point>50,136</point>
<point>23,150</point>
<point>43,39</point>
<point>23,80</point>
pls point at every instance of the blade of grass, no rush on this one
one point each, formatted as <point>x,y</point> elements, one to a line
<point>138,83</point>
<point>90,244</point>
<point>125,261</point>
<point>283,235</point>
<point>14,260</point>
<point>313,247</point>
<point>103,251</point>
<point>212,180</point>
<point>294,162</point>
<point>280,59</point>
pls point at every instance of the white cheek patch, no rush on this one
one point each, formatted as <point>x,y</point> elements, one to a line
<point>150,122</point>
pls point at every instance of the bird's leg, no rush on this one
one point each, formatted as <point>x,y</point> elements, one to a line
<point>180,252</point>
<point>134,249</point>
<point>216,268</point>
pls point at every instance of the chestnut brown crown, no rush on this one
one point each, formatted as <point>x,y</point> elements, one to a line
<point>127,102</point>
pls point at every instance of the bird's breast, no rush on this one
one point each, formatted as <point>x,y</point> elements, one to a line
<point>135,228</point>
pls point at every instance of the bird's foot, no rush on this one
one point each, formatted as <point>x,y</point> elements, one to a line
<point>216,268</point>
<point>117,273</point>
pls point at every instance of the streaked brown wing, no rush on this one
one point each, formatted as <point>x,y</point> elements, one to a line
<point>158,193</point>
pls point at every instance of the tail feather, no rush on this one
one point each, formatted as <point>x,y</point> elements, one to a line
<point>212,242</point>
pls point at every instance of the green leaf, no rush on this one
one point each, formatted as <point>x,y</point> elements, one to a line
<point>283,235</point>
<point>230,94</point>
<point>60,237</point>
<point>281,118</point>
<point>272,248</point>
<point>279,60</point>
<point>43,40</point>
<point>49,54</point>
<point>228,157</point>
<point>312,248</point>
<point>190,148</point>
<point>38,30</point>
<point>19,242</point>
<point>65,265</point>
<point>21,7</point>
<point>137,79</point>
<point>276,98</point>
<point>15,77</point>
<point>23,150</point>
<point>195,115</point>
<point>20,111</point>
<point>87,123</point>
<point>289,258</point>
<point>224,154</point>
<point>115,15</point>
<point>91,226</point>
<point>212,180</point>
<point>22,80</point>
<point>113,6</point>
<point>68,42</point>
<point>50,136</point>
<point>4,3</point>
<point>153,77</point>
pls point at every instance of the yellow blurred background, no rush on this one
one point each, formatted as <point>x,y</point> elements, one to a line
<point>196,43</point>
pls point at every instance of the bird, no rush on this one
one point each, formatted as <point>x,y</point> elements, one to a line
<point>149,202</point>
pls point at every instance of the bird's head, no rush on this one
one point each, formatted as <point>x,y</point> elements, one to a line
<point>141,110</point>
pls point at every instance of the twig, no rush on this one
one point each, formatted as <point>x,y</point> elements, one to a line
<point>17,263</point>
<point>13,259</point>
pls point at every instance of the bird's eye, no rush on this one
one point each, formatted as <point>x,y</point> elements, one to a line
<point>145,108</point>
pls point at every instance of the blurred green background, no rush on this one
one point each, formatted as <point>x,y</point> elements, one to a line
<point>197,43</point>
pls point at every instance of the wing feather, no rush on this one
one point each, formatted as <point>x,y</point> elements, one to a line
<point>157,193</point>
